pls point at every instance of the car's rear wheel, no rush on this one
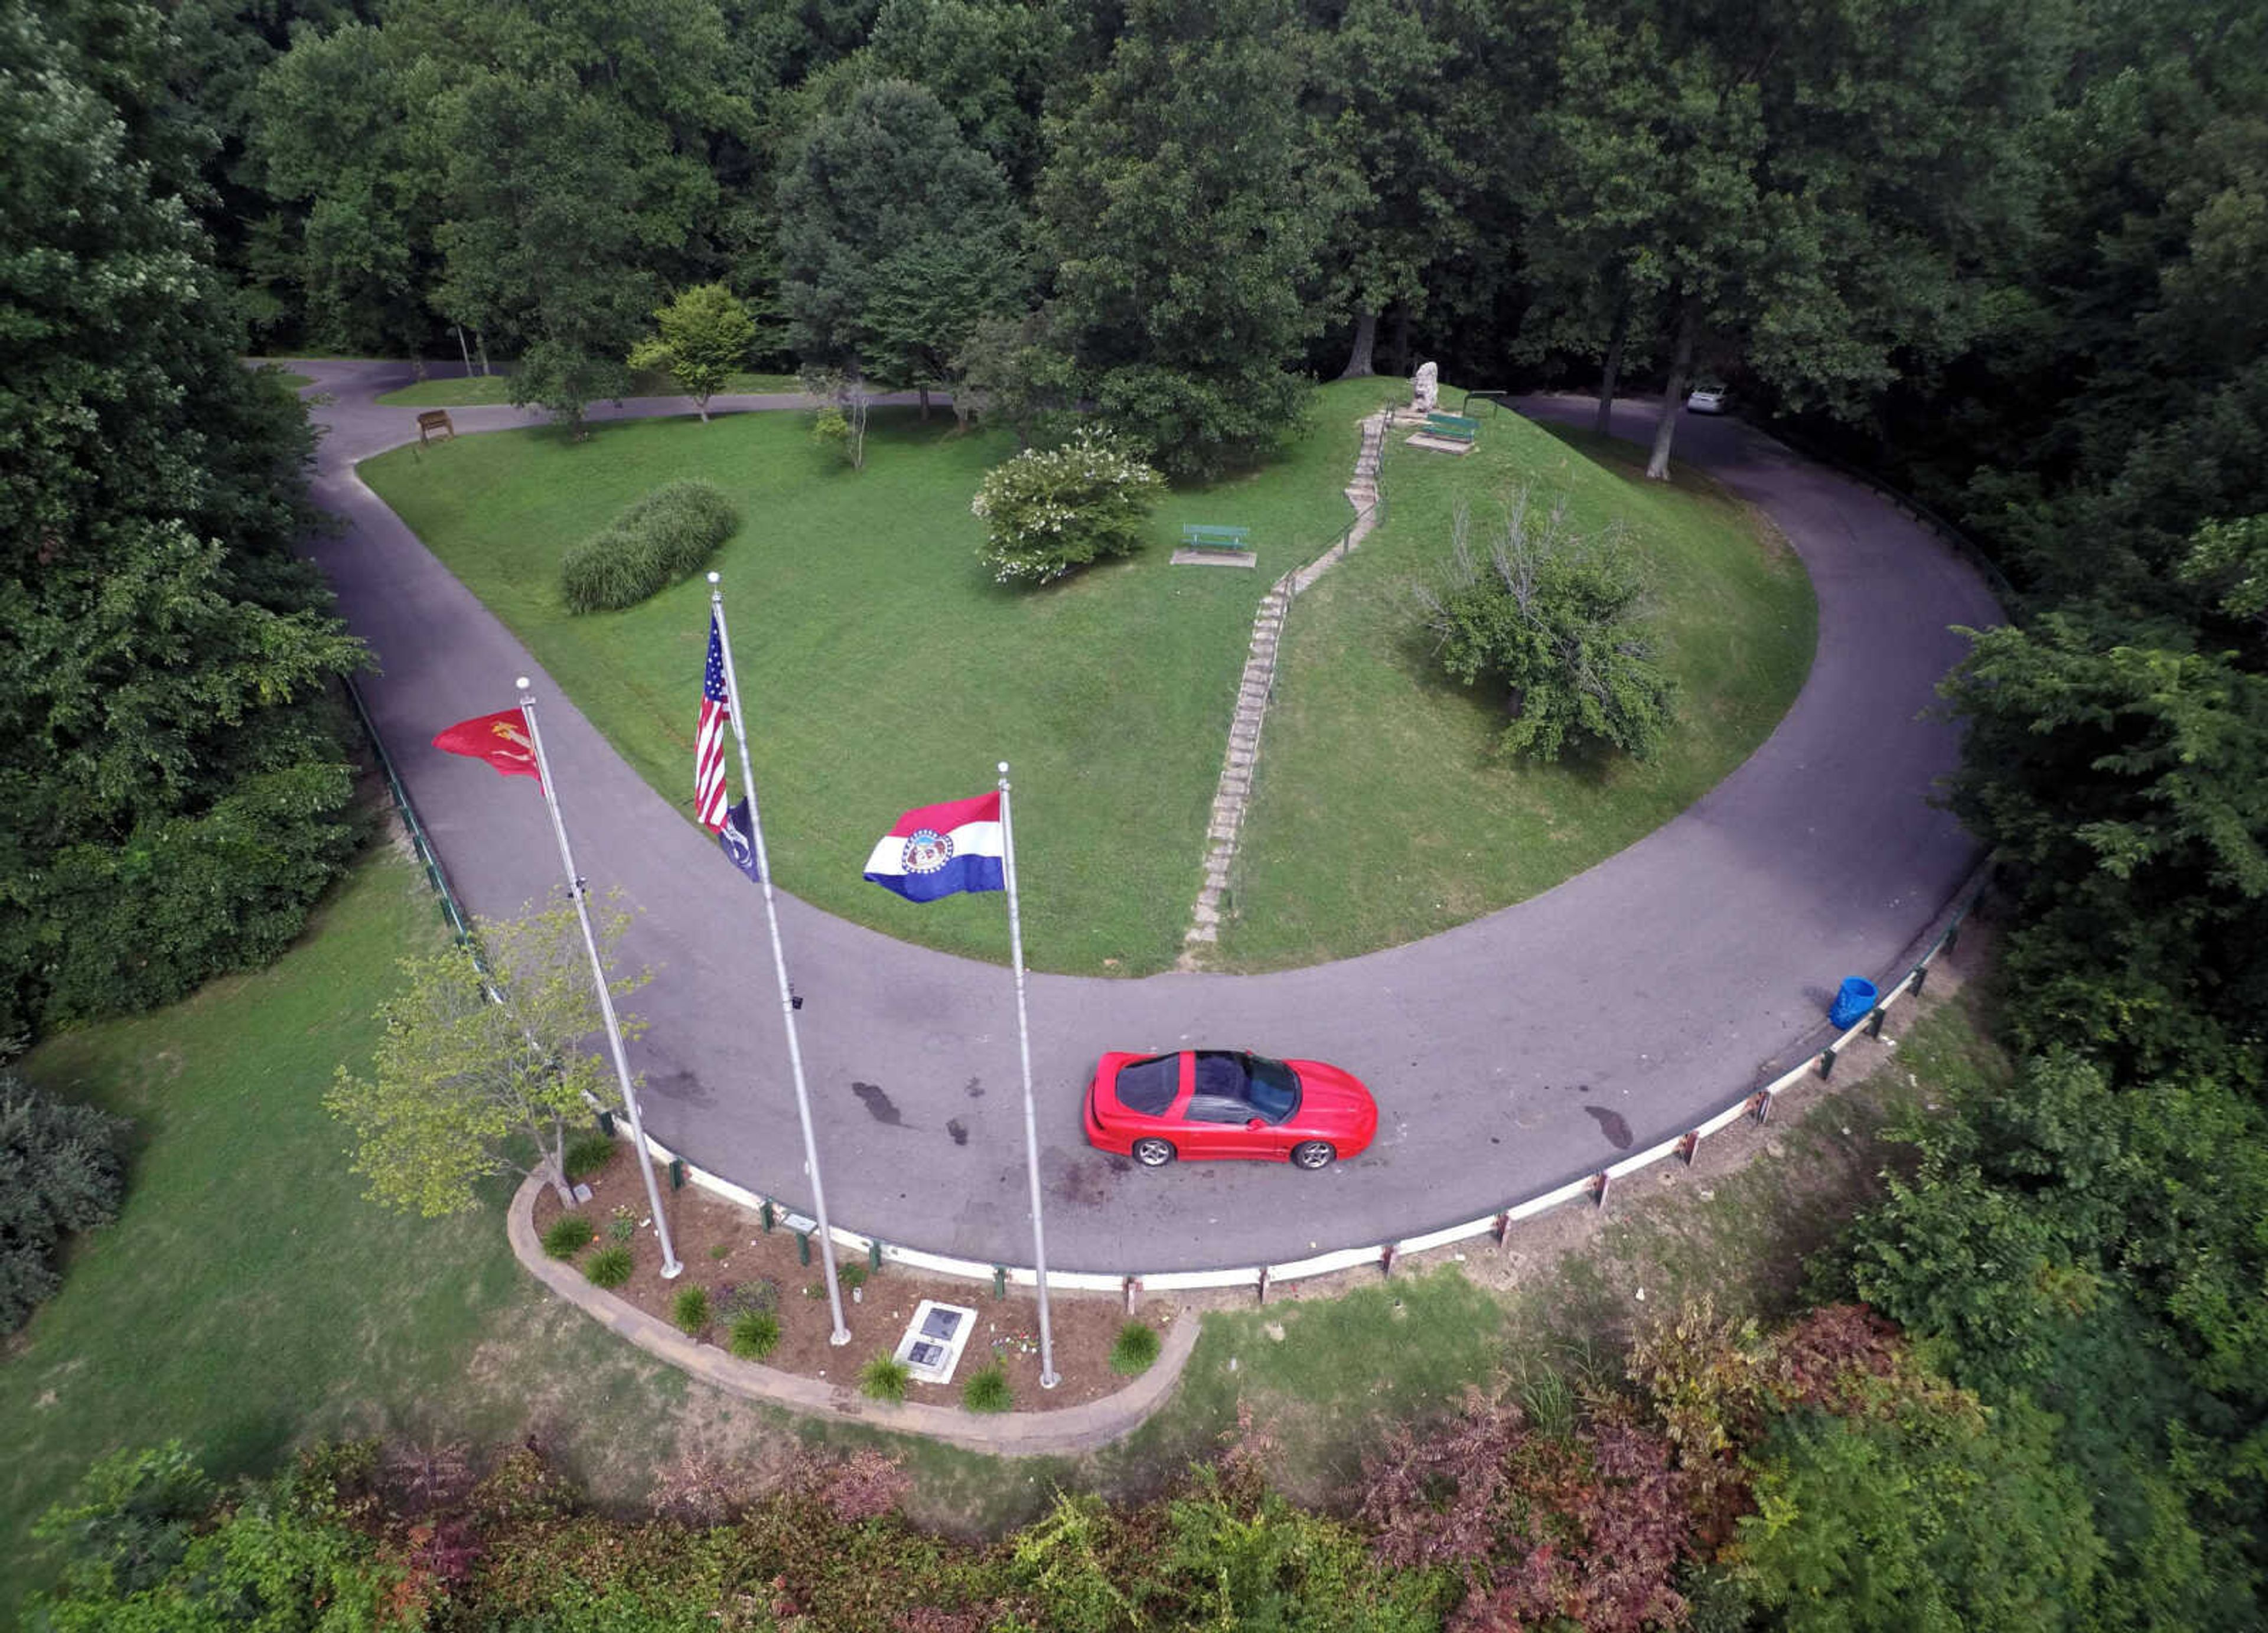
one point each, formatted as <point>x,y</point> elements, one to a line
<point>1152,1153</point>
<point>1312,1154</point>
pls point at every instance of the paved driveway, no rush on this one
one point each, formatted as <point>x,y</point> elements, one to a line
<point>1510,1054</point>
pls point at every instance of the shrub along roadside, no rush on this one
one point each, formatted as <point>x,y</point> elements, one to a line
<point>664,537</point>
<point>1819,1477</point>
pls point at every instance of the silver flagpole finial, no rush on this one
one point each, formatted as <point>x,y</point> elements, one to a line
<point>715,577</point>
<point>521,683</point>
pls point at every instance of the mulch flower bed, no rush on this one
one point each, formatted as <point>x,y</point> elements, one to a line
<point>725,1249</point>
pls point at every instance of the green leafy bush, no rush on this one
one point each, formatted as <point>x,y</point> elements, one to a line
<point>60,1172</point>
<point>658,540</point>
<point>885,1377</point>
<point>690,1310</point>
<point>987,1390</point>
<point>1048,511</point>
<point>1135,1350</point>
<point>609,1266</point>
<point>568,1235</point>
<point>754,1335</point>
<point>586,1153</point>
<point>852,1274</point>
<point>1554,620</point>
<point>622,1225</point>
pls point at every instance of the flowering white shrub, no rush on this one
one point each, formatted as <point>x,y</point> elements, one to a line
<point>1047,513</point>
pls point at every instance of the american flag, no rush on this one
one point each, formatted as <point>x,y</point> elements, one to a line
<point>708,741</point>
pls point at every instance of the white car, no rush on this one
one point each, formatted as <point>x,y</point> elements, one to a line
<point>1707,400</point>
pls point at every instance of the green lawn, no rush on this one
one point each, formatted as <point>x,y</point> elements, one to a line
<point>475,390</point>
<point>883,668</point>
<point>1382,811</point>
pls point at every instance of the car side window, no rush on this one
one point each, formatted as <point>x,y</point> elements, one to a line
<point>1218,1108</point>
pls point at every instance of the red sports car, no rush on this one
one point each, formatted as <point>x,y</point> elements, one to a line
<point>1218,1103</point>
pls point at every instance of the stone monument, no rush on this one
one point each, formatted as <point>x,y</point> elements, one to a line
<point>1425,388</point>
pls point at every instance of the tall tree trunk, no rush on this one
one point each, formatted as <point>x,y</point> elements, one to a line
<point>1605,423</point>
<point>481,345</point>
<point>701,407</point>
<point>464,350</point>
<point>1673,396</point>
<point>1365,343</point>
<point>923,393</point>
<point>1402,339</point>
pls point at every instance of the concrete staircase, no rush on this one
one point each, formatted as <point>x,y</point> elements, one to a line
<point>1233,792</point>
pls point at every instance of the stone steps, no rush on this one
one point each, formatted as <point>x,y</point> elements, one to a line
<point>1254,688</point>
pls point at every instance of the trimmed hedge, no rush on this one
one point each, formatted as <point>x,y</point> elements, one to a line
<point>664,537</point>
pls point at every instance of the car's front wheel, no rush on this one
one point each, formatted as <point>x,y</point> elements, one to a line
<point>1312,1154</point>
<point>1152,1153</point>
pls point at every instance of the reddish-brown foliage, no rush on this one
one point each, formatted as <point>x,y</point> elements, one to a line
<point>1429,1499</point>
<point>1589,1528</point>
<point>1836,1357</point>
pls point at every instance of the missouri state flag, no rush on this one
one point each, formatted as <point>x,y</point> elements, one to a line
<point>940,850</point>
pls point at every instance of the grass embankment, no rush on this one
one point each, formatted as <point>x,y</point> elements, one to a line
<point>248,1300</point>
<point>884,669</point>
<point>1384,812</point>
<point>475,390</point>
<point>881,666</point>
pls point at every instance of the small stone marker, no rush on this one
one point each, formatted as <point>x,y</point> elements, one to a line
<point>934,1340</point>
<point>1425,388</point>
<point>580,1193</point>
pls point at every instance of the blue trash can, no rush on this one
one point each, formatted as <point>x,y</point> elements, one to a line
<point>1853,1003</point>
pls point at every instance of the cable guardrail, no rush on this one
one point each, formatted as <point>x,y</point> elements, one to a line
<point>435,875</point>
<point>2002,590</point>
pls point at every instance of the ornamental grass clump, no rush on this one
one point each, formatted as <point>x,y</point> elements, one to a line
<point>987,1390</point>
<point>885,1377</point>
<point>1048,511</point>
<point>690,1310</point>
<point>666,535</point>
<point>568,1235</point>
<point>609,1266</point>
<point>1136,1348</point>
<point>753,1335</point>
<point>586,1153</point>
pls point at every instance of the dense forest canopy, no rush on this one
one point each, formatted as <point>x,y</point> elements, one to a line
<point>2014,255</point>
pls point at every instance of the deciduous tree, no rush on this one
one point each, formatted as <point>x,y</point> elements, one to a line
<point>477,1076</point>
<point>173,786</point>
<point>1554,619</point>
<point>706,335</point>
<point>1182,228</point>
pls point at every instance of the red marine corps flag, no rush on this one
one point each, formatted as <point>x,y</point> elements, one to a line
<point>501,739</point>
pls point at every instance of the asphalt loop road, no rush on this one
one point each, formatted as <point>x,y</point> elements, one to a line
<point>1509,1055</point>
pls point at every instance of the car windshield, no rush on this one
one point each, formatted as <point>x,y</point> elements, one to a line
<point>1273,1088</point>
<point>1148,1086</point>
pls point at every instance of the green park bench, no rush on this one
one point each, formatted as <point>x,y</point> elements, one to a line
<point>1453,427</point>
<point>1197,536</point>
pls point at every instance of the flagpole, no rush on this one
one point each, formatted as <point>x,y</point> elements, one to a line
<point>670,1266</point>
<point>1047,1378</point>
<point>842,1333</point>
